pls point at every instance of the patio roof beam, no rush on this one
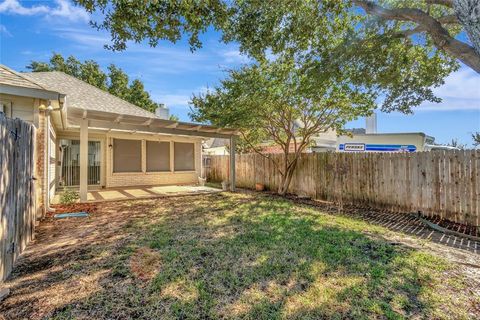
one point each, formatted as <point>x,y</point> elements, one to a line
<point>108,125</point>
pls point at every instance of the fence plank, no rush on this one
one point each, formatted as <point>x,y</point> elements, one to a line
<point>17,191</point>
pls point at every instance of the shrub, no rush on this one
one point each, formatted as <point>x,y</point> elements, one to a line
<point>69,197</point>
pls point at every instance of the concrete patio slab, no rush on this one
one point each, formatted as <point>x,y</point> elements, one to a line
<point>144,192</point>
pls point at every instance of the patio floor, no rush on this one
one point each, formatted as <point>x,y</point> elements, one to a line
<point>142,192</point>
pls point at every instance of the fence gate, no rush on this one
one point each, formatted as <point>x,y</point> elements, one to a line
<point>17,190</point>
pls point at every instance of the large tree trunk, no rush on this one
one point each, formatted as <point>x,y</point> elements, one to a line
<point>468,13</point>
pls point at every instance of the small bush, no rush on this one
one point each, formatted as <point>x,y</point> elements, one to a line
<point>69,197</point>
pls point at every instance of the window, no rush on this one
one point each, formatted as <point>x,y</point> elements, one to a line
<point>127,155</point>
<point>184,156</point>
<point>158,156</point>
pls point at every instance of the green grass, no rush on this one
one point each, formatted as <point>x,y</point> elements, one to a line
<point>258,257</point>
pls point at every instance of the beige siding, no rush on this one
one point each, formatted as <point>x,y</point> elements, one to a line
<point>19,107</point>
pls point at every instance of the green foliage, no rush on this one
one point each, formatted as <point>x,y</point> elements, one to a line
<point>476,139</point>
<point>118,82</point>
<point>115,81</point>
<point>156,20</point>
<point>173,117</point>
<point>334,34</point>
<point>69,196</point>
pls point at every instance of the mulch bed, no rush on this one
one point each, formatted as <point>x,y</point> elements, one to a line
<point>75,207</point>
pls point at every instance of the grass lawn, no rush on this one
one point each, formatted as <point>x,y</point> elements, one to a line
<point>245,256</point>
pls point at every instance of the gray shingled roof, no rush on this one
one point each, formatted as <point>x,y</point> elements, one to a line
<point>85,96</point>
<point>15,79</point>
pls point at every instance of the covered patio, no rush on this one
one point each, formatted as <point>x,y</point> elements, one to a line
<point>87,122</point>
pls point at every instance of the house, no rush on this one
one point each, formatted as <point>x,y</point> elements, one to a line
<point>89,139</point>
<point>216,146</point>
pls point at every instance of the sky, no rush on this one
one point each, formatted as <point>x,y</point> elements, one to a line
<point>33,30</point>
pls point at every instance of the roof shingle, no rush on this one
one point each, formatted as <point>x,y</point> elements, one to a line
<point>15,79</point>
<point>85,96</point>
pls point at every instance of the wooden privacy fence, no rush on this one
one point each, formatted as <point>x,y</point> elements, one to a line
<point>17,194</point>
<point>437,183</point>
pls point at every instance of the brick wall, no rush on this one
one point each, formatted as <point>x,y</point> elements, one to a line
<point>40,165</point>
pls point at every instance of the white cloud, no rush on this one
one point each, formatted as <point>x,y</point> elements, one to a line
<point>85,38</point>
<point>14,7</point>
<point>67,10</point>
<point>461,91</point>
<point>178,99</point>
<point>234,56</point>
<point>64,9</point>
<point>4,31</point>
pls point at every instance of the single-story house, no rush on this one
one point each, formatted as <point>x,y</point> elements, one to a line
<point>89,139</point>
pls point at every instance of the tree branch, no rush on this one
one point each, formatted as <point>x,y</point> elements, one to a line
<point>440,36</point>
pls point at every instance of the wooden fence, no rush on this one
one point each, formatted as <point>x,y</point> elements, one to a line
<point>17,194</point>
<point>438,183</point>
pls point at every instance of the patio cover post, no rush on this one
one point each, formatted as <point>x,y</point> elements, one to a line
<point>83,159</point>
<point>232,163</point>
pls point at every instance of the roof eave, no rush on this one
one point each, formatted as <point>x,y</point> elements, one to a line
<point>29,92</point>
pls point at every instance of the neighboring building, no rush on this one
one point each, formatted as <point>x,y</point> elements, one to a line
<point>384,142</point>
<point>216,146</point>
<point>88,138</point>
<point>368,140</point>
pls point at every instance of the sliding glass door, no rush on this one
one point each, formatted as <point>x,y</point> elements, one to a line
<point>69,151</point>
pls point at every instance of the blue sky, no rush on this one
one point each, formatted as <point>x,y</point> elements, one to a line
<point>32,30</point>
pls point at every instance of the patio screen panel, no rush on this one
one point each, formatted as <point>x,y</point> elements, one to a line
<point>127,155</point>
<point>184,156</point>
<point>158,156</point>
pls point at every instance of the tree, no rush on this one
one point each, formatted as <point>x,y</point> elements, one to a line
<point>456,144</point>
<point>116,81</point>
<point>476,139</point>
<point>118,84</point>
<point>139,96</point>
<point>91,73</point>
<point>437,21</point>
<point>266,100</point>
<point>173,117</point>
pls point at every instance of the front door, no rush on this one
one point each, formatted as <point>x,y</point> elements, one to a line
<point>70,162</point>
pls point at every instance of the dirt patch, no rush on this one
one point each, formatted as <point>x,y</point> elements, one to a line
<point>145,263</point>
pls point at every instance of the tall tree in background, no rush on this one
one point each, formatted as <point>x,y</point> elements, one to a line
<point>116,81</point>
<point>266,101</point>
<point>118,84</point>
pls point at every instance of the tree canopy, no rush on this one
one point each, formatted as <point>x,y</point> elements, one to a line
<point>116,81</point>
<point>427,23</point>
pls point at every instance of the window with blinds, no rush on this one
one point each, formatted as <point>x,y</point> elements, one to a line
<point>127,155</point>
<point>184,156</point>
<point>158,156</point>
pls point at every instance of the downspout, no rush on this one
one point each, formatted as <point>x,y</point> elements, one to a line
<point>46,160</point>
